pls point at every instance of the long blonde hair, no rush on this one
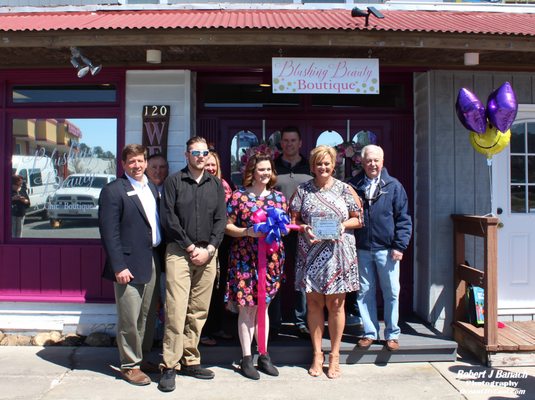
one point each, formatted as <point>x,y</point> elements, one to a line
<point>217,163</point>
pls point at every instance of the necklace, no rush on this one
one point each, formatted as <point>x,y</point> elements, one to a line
<point>326,186</point>
<point>258,193</point>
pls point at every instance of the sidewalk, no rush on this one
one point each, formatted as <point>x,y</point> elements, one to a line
<point>72,373</point>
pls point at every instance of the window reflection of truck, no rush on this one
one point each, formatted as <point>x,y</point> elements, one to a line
<point>39,177</point>
<point>77,198</point>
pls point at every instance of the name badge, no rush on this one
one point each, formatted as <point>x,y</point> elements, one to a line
<point>131,193</point>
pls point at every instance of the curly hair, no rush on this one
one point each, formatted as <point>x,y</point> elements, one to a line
<point>250,168</point>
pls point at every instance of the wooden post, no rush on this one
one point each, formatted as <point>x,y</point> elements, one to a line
<point>487,228</point>
<point>491,282</point>
<point>459,310</point>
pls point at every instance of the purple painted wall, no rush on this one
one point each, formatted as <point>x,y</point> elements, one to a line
<point>52,270</point>
<point>56,273</point>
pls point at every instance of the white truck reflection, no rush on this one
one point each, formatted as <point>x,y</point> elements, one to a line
<point>77,198</point>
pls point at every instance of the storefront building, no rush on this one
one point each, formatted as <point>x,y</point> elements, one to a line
<point>209,72</point>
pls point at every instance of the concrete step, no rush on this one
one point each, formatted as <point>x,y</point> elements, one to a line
<point>418,343</point>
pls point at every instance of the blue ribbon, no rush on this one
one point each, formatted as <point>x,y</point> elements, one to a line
<point>274,226</point>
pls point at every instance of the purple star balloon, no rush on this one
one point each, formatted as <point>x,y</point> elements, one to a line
<point>502,107</point>
<point>471,111</point>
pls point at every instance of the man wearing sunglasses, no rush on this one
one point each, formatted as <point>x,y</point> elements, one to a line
<point>193,216</point>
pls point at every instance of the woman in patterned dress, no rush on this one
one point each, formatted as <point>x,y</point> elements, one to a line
<point>257,193</point>
<point>326,269</point>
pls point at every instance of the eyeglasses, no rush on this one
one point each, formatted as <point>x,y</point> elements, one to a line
<point>198,153</point>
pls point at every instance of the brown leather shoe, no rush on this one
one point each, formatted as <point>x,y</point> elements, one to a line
<point>392,345</point>
<point>365,342</point>
<point>135,376</point>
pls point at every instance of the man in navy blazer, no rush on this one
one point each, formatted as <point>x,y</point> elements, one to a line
<point>130,232</point>
<point>381,243</point>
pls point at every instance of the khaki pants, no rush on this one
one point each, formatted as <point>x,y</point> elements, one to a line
<point>188,289</point>
<point>133,302</point>
<point>152,316</point>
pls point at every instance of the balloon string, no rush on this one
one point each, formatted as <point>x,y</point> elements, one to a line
<point>489,163</point>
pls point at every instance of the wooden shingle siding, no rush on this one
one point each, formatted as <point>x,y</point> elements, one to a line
<point>457,178</point>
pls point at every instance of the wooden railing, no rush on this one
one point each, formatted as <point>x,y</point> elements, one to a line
<point>464,275</point>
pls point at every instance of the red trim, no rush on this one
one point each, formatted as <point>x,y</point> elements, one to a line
<point>16,297</point>
<point>521,24</point>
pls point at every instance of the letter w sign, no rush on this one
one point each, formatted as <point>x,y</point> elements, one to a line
<point>156,129</point>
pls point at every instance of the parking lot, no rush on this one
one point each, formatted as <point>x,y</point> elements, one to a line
<point>36,227</point>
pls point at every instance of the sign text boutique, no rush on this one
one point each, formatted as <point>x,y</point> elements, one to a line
<point>325,75</point>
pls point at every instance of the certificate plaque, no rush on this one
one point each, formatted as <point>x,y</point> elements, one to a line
<point>325,227</point>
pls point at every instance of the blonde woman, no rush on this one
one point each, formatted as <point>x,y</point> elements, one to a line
<point>326,269</point>
<point>213,166</point>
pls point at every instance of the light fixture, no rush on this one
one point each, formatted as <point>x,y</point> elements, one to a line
<point>357,12</point>
<point>76,57</point>
<point>154,56</point>
<point>82,70</point>
<point>95,69</point>
<point>471,58</point>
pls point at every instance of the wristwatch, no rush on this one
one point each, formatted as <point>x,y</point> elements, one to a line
<point>211,251</point>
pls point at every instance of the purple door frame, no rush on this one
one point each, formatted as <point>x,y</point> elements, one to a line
<point>52,270</point>
<point>396,138</point>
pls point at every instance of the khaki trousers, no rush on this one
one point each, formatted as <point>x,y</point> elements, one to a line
<point>152,316</point>
<point>188,289</point>
<point>133,303</point>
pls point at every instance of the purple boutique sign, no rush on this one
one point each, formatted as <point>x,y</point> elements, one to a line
<point>325,75</point>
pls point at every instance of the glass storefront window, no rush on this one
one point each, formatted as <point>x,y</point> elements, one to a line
<point>241,142</point>
<point>104,93</point>
<point>64,163</point>
<point>522,168</point>
<point>391,96</point>
<point>245,96</point>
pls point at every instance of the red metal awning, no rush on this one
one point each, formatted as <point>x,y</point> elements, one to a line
<point>394,21</point>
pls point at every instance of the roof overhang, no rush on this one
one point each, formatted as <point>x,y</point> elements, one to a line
<point>189,38</point>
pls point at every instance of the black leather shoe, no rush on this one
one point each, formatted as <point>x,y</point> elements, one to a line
<point>196,371</point>
<point>266,366</point>
<point>247,368</point>
<point>167,380</point>
<point>149,367</point>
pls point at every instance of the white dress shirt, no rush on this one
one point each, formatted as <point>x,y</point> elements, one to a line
<point>149,205</point>
<point>371,187</point>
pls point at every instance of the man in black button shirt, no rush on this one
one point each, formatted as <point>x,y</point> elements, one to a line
<point>194,219</point>
<point>292,170</point>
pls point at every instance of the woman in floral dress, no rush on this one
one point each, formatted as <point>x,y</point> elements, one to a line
<point>257,193</point>
<point>326,269</point>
